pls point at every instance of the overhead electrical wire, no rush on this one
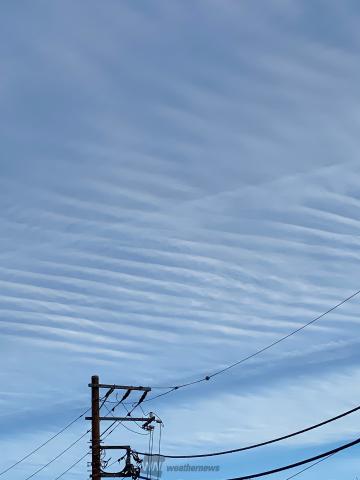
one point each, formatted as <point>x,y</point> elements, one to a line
<point>321,456</point>
<point>87,453</point>
<point>129,412</point>
<point>131,430</point>
<point>298,464</point>
<point>310,466</point>
<point>57,456</point>
<point>103,400</point>
<point>102,435</point>
<point>171,389</point>
<point>70,446</point>
<point>268,442</point>
<point>123,425</point>
<point>72,466</point>
<point>67,448</point>
<point>66,427</point>
<point>44,443</point>
<point>200,380</point>
<point>252,355</point>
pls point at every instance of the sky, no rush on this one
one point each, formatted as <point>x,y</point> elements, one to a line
<point>179,187</point>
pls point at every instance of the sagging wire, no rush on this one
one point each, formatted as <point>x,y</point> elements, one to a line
<point>123,425</point>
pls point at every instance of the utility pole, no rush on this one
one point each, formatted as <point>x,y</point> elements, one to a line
<point>129,469</point>
<point>95,429</point>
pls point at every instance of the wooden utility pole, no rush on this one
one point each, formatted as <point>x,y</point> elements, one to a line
<point>95,429</point>
<point>96,448</point>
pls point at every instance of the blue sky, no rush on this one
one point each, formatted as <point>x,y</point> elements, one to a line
<point>180,187</point>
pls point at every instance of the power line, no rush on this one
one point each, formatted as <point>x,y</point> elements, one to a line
<point>200,380</point>
<point>121,402</point>
<point>125,426</point>
<point>320,458</point>
<point>310,466</point>
<point>86,454</point>
<point>258,352</point>
<point>45,443</point>
<point>298,464</point>
<point>268,442</point>
<point>67,448</point>
<point>57,456</point>
<point>131,430</point>
<point>48,440</point>
<point>72,466</point>
<point>64,451</point>
<point>102,435</point>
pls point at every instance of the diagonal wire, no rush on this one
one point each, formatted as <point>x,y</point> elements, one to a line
<point>122,424</point>
<point>254,354</point>
<point>44,443</point>
<point>57,456</point>
<point>65,450</point>
<point>310,466</point>
<point>72,466</point>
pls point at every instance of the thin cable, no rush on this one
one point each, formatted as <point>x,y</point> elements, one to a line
<point>108,428</point>
<point>141,400</point>
<point>113,463</point>
<point>133,431</point>
<point>121,423</point>
<point>111,431</point>
<point>142,411</point>
<point>57,456</point>
<point>298,464</point>
<point>273,343</point>
<point>116,461</point>
<point>268,442</point>
<point>258,352</point>
<point>45,443</point>
<point>116,423</point>
<point>48,440</point>
<point>72,466</point>
<point>68,448</point>
<point>172,389</point>
<point>310,466</point>
<point>207,377</point>
<point>125,426</point>
<point>286,336</point>
<point>136,423</point>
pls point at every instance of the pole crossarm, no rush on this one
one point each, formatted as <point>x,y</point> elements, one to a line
<point>120,387</point>
<point>115,447</point>
<point>124,419</point>
<point>116,475</point>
